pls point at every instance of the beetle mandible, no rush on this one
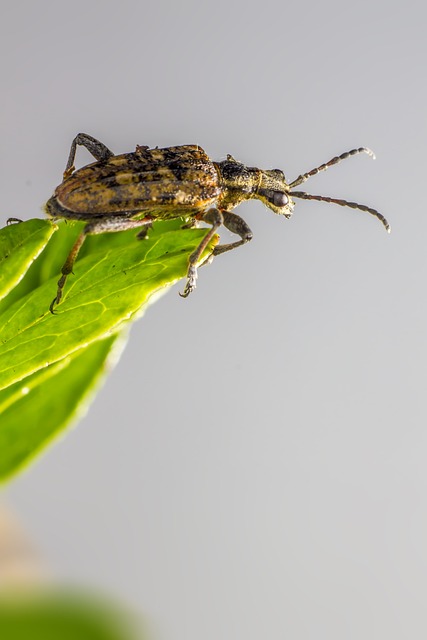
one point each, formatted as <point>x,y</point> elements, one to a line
<point>132,190</point>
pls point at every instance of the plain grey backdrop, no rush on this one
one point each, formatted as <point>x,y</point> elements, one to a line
<point>255,466</point>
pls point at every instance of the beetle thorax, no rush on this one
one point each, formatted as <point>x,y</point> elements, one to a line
<point>238,182</point>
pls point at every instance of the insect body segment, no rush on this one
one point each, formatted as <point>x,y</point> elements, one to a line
<point>133,190</point>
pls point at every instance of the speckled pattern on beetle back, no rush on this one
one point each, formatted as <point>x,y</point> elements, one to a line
<point>168,183</point>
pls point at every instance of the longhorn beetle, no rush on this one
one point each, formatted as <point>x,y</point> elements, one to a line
<point>132,190</point>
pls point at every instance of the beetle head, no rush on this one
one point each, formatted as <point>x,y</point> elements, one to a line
<point>274,192</point>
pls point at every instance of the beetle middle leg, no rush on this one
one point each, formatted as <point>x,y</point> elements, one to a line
<point>104,225</point>
<point>143,234</point>
<point>99,151</point>
<point>215,218</point>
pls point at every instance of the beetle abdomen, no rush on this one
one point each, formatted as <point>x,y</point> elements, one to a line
<point>175,181</point>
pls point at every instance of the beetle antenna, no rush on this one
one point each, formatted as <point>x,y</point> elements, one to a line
<point>344,203</point>
<point>305,176</point>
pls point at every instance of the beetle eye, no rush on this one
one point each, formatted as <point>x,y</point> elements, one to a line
<point>280,199</point>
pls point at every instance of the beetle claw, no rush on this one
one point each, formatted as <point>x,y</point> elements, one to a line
<point>191,282</point>
<point>51,306</point>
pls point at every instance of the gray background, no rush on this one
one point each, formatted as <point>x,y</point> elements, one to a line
<point>255,467</point>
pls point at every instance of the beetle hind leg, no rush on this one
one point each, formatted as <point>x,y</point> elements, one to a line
<point>99,151</point>
<point>68,268</point>
<point>105,225</point>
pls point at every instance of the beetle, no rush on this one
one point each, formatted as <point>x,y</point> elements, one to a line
<point>133,190</point>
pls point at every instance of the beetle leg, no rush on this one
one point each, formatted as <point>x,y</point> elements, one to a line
<point>215,218</point>
<point>142,235</point>
<point>96,148</point>
<point>237,225</point>
<point>106,225</point>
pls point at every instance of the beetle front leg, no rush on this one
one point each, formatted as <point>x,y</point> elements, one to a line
<point>237,225</point>
<point>107,225</point>
<point>99,151</point>
<point>215,218</point>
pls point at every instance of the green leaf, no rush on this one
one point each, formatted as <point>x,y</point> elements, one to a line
<point>20,244</point>
<point>50,364</point>
<point>110,286</point>
<point>35,410</point>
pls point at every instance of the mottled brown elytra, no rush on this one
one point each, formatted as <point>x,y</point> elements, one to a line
<point>135,189</point>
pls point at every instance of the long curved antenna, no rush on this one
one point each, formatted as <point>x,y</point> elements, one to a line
<point>305,176</point>
<point>343,203</point>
